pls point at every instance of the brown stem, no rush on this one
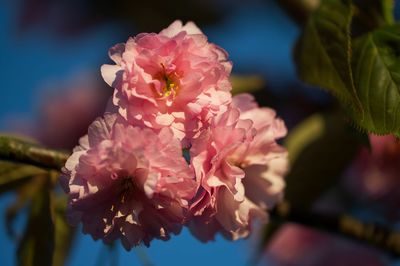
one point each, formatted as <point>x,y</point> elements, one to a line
<point>16,150</point>
<point>345,225</point>
<point>384,238</point>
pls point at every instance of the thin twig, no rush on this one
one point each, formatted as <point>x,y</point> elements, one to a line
<point>373,234</point>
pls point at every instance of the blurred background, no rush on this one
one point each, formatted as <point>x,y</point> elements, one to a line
<point>51,52</point>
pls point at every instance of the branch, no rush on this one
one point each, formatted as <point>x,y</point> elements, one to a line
<point>16,150</point>
<point>379,236</point>
<point>376,235</point>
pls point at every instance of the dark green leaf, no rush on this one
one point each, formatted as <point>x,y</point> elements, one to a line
<point>371,14</point>
<point>13,175</point>
<point>25,192</point>
<point>376,67</point>
<point>388,7</point>
<point>320,149</point>
<point>323,52</point>
<point>363,73</point>
<point>64,233</point>
<point>36,246</point>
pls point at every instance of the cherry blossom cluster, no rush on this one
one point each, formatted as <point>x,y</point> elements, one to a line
<point>174,148</point>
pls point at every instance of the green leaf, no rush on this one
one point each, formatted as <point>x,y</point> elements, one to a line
<point>25,192</point>
<point>388,7</point>
<point>376,68</point>
<point>64,233</point>
<point>323,52</point>
<point>36,246</point>
<point>364,73</point>
<point>320,149</point>
<point>246,84</point>
<point>13,175</point>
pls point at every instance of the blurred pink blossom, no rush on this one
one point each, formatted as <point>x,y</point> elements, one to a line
<point>240,168</point>
<point>128,183</point>
<point>296,245</point>
<point>171,79</point>
<point>65,111</point>
<point>376,172</point>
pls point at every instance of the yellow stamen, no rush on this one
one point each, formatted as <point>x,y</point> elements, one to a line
<point>170,86</point>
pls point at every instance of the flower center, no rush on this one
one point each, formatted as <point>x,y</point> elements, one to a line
<point>170,87</point>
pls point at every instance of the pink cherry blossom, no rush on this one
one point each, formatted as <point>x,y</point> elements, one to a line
<point>128,183</point>
<point>240,168</point>
<point>175,79</point>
